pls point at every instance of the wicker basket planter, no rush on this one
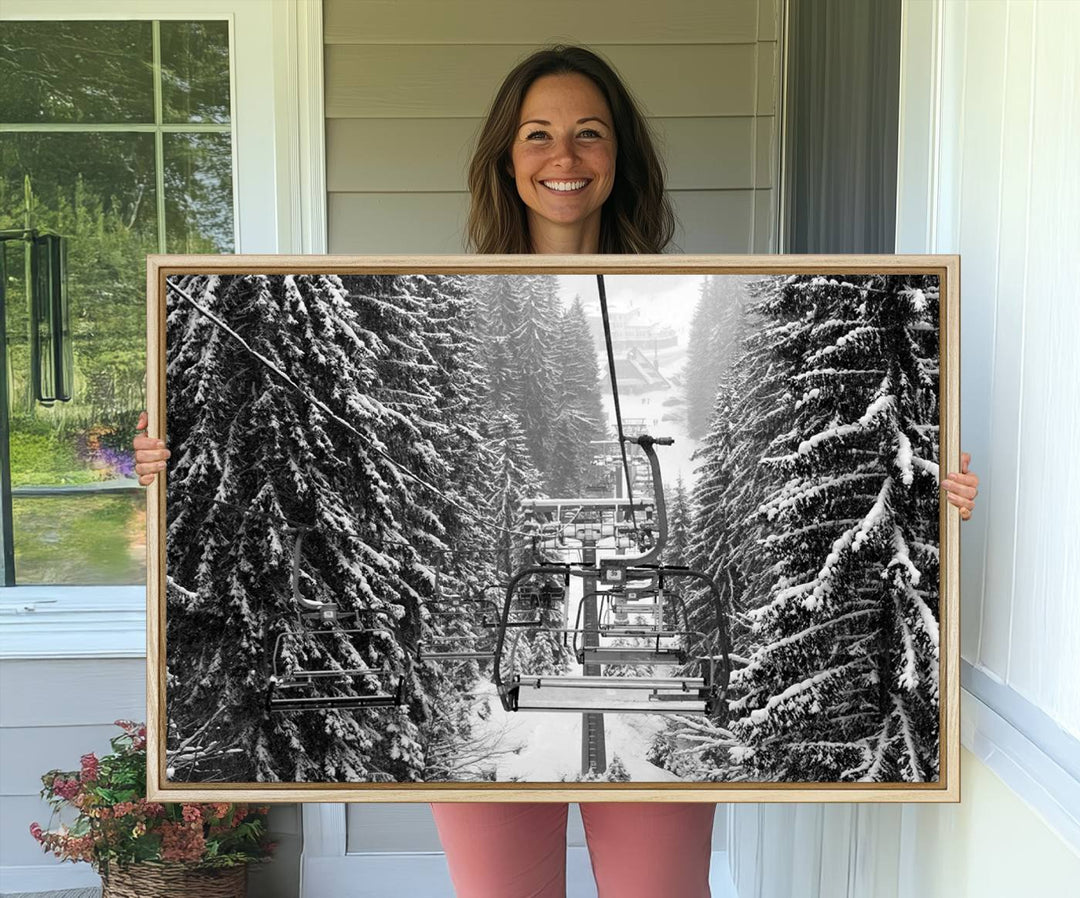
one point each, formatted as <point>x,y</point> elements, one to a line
<point>148,880</point>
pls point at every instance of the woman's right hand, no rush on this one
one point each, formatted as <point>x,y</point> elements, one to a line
<point>150,454</point>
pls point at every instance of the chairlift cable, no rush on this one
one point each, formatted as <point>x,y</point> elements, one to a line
<point>615,396</point>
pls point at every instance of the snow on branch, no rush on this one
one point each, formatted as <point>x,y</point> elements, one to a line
<point>758,715</point>
<point>882,404</point>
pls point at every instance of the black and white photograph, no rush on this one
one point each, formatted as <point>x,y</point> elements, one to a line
<point>552,528</point>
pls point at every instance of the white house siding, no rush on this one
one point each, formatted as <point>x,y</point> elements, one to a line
<point>51,712</point>
<point>408,82</point>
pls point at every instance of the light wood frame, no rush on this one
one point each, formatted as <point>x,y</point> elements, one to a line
<point>945,789</point>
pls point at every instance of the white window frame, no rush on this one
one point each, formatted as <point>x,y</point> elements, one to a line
<point>279,201</point>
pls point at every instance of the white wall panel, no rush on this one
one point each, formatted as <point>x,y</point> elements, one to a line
<point>1003,190</point>
<point>1011,270</point>
<point>1045,619</point>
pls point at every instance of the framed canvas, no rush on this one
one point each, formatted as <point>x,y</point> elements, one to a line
<point>508,528</point>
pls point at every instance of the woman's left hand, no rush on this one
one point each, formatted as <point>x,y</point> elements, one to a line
<point>962,488</point>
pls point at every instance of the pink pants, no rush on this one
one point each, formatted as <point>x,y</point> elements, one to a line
<point>638,850</point>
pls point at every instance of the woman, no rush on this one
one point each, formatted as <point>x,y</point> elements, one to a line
<point>565,164</point>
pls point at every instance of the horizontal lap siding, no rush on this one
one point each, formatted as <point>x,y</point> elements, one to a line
<point>460,80</point>
<point>525,22</point>
<point>408,83</point>
<point>51,713</point>
<point>425,155</point>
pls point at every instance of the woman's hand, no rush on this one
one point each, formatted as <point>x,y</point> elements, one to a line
<point>150,454</point>
<point>962,488</point>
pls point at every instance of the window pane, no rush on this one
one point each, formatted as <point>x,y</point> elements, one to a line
<point>98,191</point>
<point>198,193</point>
<point>102,174</point>
<point>81,540</point>
<point>76,72</point>
<point>195,71</point>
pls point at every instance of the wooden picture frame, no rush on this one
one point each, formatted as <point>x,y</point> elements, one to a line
<point>873,292</point>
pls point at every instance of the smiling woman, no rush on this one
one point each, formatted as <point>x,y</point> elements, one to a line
<point>561,117</point>
<point>563,162</point>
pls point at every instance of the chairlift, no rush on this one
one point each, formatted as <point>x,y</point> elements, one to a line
<point>294,688</point>
<point>329,686</point>
<point>628,583</point>
<point>542,593</point>
<point>448,647</point>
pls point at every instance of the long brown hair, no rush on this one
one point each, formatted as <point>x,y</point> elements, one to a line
<point>637,216</point>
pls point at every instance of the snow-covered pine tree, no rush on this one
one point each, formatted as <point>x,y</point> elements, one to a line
<point>616,771</point>
<point>499,301</point>
<point>253,458</point>
<point>696,749</point>
<point>413,385</point>
<point>725,541</point>
<point>716,331</point>
<point>532,345</point>
<point>844,684</point>
<point>578,414</point>
<point>677,550</point>
<point>515,479</point>
<point>465,564</point>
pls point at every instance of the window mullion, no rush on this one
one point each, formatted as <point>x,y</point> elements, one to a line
<point>159,136</point>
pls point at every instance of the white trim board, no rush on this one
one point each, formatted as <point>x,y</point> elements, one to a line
<point>1025,767</point>
<point>39,622</point>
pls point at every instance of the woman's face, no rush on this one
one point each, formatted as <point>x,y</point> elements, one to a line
<point>563,154</point>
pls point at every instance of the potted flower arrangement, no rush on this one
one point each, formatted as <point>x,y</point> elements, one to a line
<point>142,848</point>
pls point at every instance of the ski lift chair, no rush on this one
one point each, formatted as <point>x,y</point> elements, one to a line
<point>475,647</point>
<point>330,687</point>
<point>640,595</point>
<point>623,638</point>
<point>610,695</point>
<point>542,593</point>
<point>295,688</point>
<point>700,693</point>
<point>602,694</point>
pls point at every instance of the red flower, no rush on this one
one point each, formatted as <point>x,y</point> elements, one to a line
<point>150,808</point>
<point>65,788</point>
<point>181,842</point>
<point>191,813</point>
<point>36,831</point>
<point>89,768</point>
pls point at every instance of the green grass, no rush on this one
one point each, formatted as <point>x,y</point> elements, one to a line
<point>81,539</point>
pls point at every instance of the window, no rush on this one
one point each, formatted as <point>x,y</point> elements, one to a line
<point>118,136</point>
